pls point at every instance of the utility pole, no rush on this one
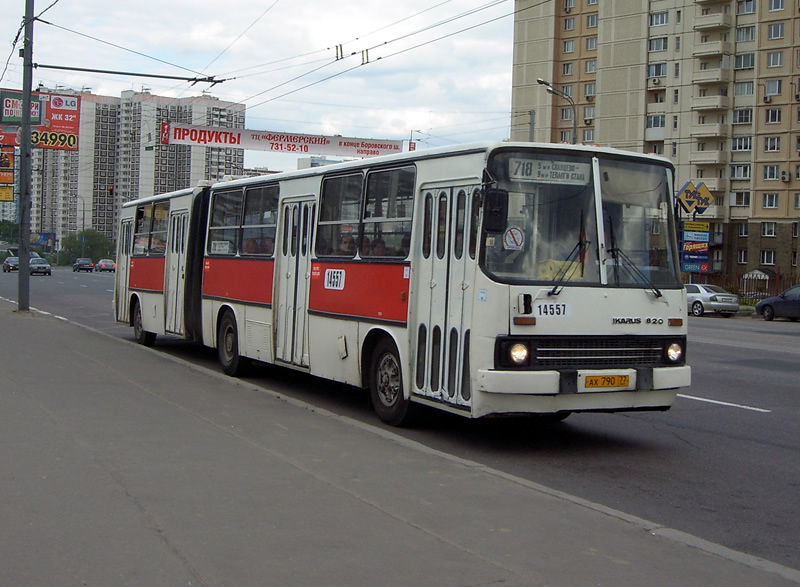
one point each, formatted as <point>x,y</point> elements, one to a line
<point>23,303</point>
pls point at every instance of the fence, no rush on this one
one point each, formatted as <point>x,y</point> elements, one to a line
<point>749,287</point>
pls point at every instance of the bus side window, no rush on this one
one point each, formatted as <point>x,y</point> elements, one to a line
<point>259,223</point>
<point>388,209</point>
<point>223,230</point>
<point>339,212</point>
<point>141,239</point>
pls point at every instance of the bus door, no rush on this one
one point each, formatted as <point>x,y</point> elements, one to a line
<point>292,278</point>
<point>176,271</point>
<point>444,271</point>
<point>122,272</point>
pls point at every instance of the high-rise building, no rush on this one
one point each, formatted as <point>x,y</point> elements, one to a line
<point>710,84</point>
<point>120,158</point>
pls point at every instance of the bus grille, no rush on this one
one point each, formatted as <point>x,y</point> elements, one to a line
<point>597,352</point>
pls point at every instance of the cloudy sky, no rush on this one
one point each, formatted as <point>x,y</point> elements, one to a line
<point>437,69</point>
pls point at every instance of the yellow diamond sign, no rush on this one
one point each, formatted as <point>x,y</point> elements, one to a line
<point>695,199</point>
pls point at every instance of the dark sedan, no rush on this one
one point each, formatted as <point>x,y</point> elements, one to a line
<point>11,264</point>
<point>83,264</point>
<point>785,305</point>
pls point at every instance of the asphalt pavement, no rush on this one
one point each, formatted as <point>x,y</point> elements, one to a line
<point>120,465</point>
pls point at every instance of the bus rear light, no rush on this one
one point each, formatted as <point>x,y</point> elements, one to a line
<point>675,321</point>
<point>524,320</point>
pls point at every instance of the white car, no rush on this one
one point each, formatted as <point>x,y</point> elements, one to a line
<point>704,299</point>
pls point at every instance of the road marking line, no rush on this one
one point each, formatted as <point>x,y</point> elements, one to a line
<point>713,401</point>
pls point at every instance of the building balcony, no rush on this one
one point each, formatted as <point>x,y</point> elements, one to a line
<point>710,22</point>
<point>716,238</point>
<point>715,184</point>
<point>717,265</point>
<point>712,48</point>
<point>709,157</point>
<point>711,76</point>
<point>710,131</point>
<point>711,103</point>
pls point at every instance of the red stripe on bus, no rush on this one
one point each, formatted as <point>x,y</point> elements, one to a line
<point>245,280</point>
<point>367,290</point>
<point>147,273</point>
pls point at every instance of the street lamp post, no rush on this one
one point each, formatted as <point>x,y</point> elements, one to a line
<point>552,90</point>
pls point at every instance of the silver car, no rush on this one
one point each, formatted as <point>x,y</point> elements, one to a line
<point>711,298</point>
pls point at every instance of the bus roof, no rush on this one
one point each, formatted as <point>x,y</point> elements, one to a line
<point>436,152</point>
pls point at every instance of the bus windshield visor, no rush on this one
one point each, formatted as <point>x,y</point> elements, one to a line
<point>552,234</point>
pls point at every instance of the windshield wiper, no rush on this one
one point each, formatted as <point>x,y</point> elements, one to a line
<point>568,265</point>
<point>627,264</point>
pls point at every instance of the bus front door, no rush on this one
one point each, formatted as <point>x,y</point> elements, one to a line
<point>176,271</point>
<point>292,274</point>
<point>445,274</point>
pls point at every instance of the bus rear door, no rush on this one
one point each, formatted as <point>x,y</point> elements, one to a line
<point>292,274</point>
<point>176,271</point>
<point>121,289</point>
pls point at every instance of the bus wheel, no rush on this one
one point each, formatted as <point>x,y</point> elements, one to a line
<point>141,335</point>
<point>232,362</point>
<point>386,386</point>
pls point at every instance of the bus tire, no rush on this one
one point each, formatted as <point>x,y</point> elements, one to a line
<point>141,335</point>
<point>386,386</point>
<point>232,362</point>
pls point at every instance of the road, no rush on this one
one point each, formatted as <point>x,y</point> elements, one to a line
<point>723,464</point>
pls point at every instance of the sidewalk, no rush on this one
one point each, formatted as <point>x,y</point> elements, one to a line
<point>123,466</point>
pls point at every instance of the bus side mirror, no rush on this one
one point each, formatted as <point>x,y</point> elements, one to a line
<point>495,210</point>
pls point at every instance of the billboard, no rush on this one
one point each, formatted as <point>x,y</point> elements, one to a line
<point>55,120</point>
<point>264,140</point>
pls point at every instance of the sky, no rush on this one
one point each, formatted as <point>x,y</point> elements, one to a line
<point>435,70</point>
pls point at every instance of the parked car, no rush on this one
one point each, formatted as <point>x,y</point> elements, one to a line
<point>785,305</point>
<point>105,265</point>
<point>11,264</point>
<point>39,265</point>
<point>711,298</point>
<point>83,264</point>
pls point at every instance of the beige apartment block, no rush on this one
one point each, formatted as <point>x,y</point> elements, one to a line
<point>713,85</point>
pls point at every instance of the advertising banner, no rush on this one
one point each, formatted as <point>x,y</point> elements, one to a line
<point>55,120</point>
<point>6,165</point>
<point>263,140</point>
<point>700,237</point>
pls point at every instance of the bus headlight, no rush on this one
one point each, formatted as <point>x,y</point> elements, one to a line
<point>518,353</point>
<point>674,352</point>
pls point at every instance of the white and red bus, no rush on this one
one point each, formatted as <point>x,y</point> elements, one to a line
<point>484,279</point>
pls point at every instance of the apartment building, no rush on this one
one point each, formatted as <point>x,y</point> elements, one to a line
<point>120,158</point>
<point>713,85</point>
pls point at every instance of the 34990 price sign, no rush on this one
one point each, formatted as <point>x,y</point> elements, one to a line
<point>55,140</point>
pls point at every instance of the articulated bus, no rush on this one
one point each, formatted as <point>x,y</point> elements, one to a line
<point>485,279</point>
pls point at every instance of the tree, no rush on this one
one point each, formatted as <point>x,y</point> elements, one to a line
<point>9,231</point>
<point>85,243</point>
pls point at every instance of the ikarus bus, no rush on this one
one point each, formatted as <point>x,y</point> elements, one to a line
<point>485,279</point>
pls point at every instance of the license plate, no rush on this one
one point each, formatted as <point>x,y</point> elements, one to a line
<point>602,381</point>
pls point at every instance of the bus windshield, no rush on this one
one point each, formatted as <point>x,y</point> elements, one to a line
<point>552,234</point>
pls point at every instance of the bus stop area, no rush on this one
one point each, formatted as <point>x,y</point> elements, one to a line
<point>121,465</point>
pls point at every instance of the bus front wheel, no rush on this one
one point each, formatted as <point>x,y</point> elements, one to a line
<point>232,362</point>
<point>141,335</point>
<point>386,386</point>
